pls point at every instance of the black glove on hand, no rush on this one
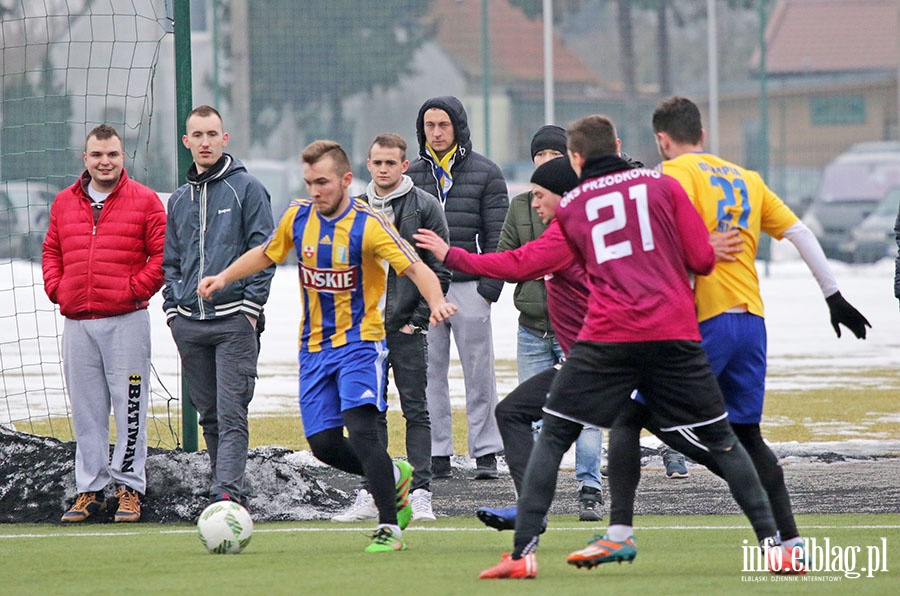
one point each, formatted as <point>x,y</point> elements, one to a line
<point>844,312</point>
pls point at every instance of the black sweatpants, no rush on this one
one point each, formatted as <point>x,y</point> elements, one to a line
<point>624,437</point>
<point>515,415</point>
<point>593,387</point>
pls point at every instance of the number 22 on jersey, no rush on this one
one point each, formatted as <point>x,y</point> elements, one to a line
<point>731,203</point>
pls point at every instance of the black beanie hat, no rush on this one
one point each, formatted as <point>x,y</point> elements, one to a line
<point>549,136</point>
<point>556,175</point>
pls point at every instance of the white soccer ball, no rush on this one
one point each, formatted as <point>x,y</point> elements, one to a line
<point>225,528</point>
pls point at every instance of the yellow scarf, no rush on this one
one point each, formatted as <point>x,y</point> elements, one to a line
<point>442,169</point>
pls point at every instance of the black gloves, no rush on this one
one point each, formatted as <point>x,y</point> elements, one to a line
<point>843,312</point>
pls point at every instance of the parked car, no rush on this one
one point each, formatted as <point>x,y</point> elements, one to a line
<point>852,187</point>
<point>874,238</point>
<point>29,205</point>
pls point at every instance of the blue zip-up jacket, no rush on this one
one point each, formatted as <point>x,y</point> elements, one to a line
<point>212,220</point>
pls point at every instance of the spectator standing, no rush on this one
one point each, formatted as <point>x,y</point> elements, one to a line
<point>537,348</point>
<point>472,192</point>
<point>391,193</point>
<point>220,213</point>
<point>102,261</point>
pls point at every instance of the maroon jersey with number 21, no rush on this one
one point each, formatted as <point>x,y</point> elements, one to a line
<point>639,237</point>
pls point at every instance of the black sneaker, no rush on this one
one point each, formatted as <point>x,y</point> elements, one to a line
<point>440,467</point>
<point>215,498</point>
<point>486,467</point>
<point>674,462</point>
<point>590,501</point>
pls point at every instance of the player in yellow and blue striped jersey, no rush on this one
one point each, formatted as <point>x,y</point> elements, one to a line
<point>341,247</point>
<point>341,284</point>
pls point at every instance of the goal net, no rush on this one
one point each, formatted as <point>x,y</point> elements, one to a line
<point>65,67</point>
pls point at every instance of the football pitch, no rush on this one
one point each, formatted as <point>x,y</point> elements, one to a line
<point>676,555</point>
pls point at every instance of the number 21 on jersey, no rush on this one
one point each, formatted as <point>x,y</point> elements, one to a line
<point>602,250</point>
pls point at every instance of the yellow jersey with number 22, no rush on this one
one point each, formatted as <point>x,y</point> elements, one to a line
<point>729,196</point>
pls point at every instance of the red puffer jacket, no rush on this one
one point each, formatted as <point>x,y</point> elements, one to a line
<point>109,269</point>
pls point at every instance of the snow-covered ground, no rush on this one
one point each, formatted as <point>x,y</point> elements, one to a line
<point>803,350</point>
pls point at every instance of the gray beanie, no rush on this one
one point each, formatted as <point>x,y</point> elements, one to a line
<point>556,175</point>
<point>549,136</point>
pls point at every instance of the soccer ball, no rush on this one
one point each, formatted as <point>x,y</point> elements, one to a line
<point>225,528</point>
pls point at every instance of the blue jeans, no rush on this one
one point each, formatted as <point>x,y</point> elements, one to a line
<point>535,354</point>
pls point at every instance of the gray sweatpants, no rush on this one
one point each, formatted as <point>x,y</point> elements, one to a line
<point>219,361</point>
<point>106,363</point>
<point>471,328</point>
